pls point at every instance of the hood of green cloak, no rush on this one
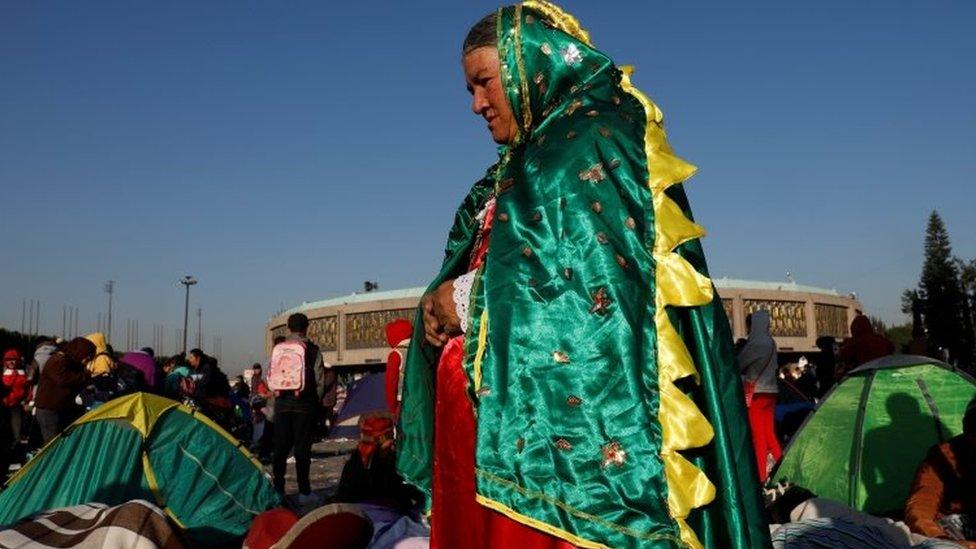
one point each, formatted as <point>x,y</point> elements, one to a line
<point>546,72</point>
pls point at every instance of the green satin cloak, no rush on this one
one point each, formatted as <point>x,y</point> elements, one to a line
<point>562,346</point>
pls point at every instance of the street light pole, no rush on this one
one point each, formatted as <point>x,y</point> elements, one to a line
<point>186,281</point>
<point>109,287</point>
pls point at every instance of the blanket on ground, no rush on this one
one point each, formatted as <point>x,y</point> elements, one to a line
<point>134,524</point>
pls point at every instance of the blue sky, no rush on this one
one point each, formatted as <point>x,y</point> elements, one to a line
<point>284,152</point>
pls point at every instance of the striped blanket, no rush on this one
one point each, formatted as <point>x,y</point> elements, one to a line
<point>842,533</point>
<point>136,524</point>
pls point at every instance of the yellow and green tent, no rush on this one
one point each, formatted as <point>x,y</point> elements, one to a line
<point>143,446</point>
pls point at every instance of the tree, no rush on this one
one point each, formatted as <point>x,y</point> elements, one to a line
<point>900,335</point>
<point>967,274</point>
<point>908,301</point>
<point>967,279</point>
<point>940,290</point>
<point>878,325</point>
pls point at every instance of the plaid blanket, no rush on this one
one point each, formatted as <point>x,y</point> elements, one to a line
<point>842,533</point>
<point>136,524</point>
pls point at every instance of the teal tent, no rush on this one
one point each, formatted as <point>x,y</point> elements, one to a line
<point>863,442</point>
<point>143,446</point>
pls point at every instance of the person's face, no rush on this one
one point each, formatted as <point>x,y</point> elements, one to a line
<point>483,79</point>
<point>256,372</point>
<point>194,360</point>
<point>11,362</point>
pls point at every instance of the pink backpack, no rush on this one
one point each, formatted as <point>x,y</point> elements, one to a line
<point>287,371</point>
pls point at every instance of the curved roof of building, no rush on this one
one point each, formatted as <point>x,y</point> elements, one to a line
<point>741,284</point>
<point>418,291</point>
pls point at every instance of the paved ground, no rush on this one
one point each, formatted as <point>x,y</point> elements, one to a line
<point>328,458</point>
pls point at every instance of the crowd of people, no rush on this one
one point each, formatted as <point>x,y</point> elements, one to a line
<point>779,397</point>
<point>63,379</point>
<point>572,382</point>
<point>942,499</point>
<point>45,392</point>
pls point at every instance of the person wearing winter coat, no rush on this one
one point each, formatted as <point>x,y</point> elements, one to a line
<point>258,385</point>
<point>64,376</point>
<point>145,364</point>
<point>759,366</point>
<point>864,346</point>
<point>942,501</point>
<point>210,379</point>
<point>104,362</point>
<point>18,390</point>
<point>370,475</point>
<point>45,349</point>
<point>175,372</point>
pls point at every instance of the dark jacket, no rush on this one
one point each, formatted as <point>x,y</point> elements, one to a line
<point>377,482</point>
<point>330,389</point>
<point>864,346</point>
<point>64,376</point>
<point>213,381</point>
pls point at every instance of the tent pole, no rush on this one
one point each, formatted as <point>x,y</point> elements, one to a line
<point>857,449</point>
<point>930,402</point>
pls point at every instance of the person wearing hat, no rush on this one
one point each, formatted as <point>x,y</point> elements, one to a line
<point>370,475</point>
<point>10,358</point>
<point>17,390</point>
<point>942,501</point>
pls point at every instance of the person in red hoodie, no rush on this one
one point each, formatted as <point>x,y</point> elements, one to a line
<point>17,389</point>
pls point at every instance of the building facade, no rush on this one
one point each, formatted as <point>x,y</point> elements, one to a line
<point>350,329</point>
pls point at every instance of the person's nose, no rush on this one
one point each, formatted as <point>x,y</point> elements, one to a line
<point>479,103</point>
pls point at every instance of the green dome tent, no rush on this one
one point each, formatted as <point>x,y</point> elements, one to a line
<point>148,447</point>
<point>863,442</point>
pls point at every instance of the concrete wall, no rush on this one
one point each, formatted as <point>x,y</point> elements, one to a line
<point>353,333</point>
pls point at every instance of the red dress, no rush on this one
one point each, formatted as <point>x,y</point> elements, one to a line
<point>457,520</point>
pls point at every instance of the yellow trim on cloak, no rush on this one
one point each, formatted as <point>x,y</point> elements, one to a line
<point>641,536</point>
<point>560,19</point>
<point>523,77</point>
<point>678,284</point>
<point>479,354</point>
<point>537,524</point>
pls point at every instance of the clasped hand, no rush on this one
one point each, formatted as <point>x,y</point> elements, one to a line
<point>441,321</point>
